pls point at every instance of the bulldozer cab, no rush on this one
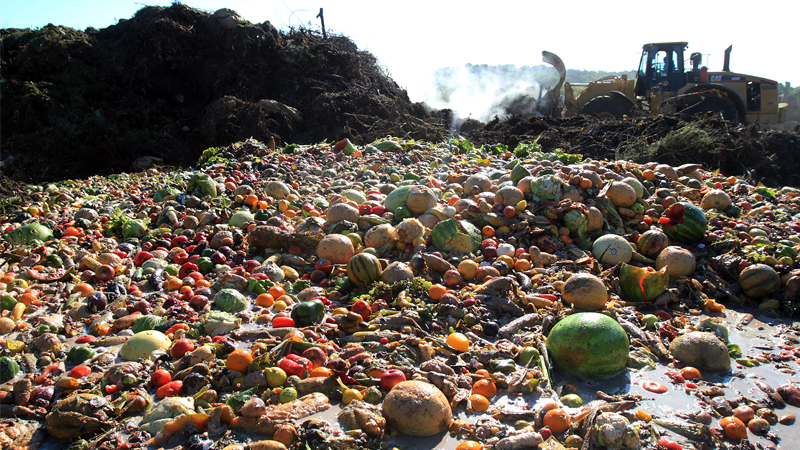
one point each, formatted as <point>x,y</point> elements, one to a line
<point>661,68</point>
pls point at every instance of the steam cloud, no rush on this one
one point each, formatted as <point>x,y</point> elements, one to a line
<point>482,92</point>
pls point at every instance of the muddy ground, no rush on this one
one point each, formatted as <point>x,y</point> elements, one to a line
<point>173,81</point>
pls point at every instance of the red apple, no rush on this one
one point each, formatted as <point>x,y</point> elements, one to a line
<point>390,378</point>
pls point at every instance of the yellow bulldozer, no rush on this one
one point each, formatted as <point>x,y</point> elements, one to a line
<point>667,83</point>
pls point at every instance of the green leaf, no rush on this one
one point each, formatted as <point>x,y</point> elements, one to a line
<point>734,351</point>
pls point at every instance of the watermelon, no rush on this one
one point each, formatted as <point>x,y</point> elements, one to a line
<point>687,223</point>
<point>364,267</point>
<point>589,344</point>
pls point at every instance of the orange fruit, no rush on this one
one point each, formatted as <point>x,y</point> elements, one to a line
<point>469,445</point>
<point>744,413</point>
<point>487,231</point>
<point>437,291</point>
<point>478,403</point>
<point>265,300</point>
<point>458,341</point>
<point>648,175</point>
<point>484,387</point>
<point>522,265</point>
<point>691,373</point>
<point>285,434</point>
<point>239,360</point>
<point>27,298</point>
<point>557,420</point>
<point>83,288</point>
<point>276,291</point>
<point>733,427</point>
<point>320,372</point>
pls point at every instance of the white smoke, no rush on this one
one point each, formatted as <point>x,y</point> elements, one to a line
<point>482,92</point>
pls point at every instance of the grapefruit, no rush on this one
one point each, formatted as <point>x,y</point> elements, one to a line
<point>590,345</point>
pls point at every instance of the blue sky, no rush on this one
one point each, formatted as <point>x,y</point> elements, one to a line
<point>413,38</point>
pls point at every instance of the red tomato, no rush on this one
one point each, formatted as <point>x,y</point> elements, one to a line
<point>85,339</point>
<point>379,210</point>
<point>80,371</point>
<point>390,378</point>
<point>181,347</point>
<point>279,322</point>
<point>170,389</point>
<point>160,377</point>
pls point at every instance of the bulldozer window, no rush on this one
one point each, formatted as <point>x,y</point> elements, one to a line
<point>753,96</point>
<point>660,65</point>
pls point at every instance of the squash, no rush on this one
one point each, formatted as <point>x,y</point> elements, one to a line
<point>420,199</point>
<point>364,268</point>
<point>508,196</point>
<point>380,235</point>
<point>651,242</point>
<point>417,408</point>
<point>595,220</point>
<point>396,271</point>
<point>687,223</point>
<point>681,262</point>
<point>8,369</point>
<point>717,199</point>
<point>621,194</point>
<point>336,248</point>
<point>480,180</point>
<point>342,211</point>
<point>612,249</point>
<point>759,280</point>
<point>585,291</point>
<point>396,198</point>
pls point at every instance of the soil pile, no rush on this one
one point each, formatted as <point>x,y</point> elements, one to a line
<point>173,81</point>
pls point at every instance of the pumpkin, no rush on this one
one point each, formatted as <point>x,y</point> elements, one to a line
<point>336,248</point>
<point>585,291</point>
<point>508,196</point>
<point>417,408</point>
<point>612,249</point>
<point>759,280</point>
<point>681,262</point>
<point>396,271</point>
<point>364,267</point>
<point>621,194</point>
<point>651,242</point>
<point>8,369</point>
<point>420,199</point>
<point>717,199</point>
<point>687,223</point>
<point>342,211</point>
<point>378,236</point>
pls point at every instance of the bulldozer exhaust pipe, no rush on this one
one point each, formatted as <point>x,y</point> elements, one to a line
<point>726,65</point>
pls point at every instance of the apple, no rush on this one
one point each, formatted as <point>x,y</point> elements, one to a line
<point>390,378</point>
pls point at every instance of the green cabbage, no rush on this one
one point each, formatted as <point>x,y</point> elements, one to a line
<point>576,221</point>
<point>146,322</point>
<point>203,183</point>
<point>135,228</point>
<point>230,300</point>
<point>548,187</point>
<point>218,323</point>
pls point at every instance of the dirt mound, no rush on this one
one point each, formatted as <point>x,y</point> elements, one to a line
<point>173,81</point>
<point>768,157</point>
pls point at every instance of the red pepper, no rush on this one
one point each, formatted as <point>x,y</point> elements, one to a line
<point>186,269</point>
<point>550,297</point>
<point>170,389</point>
<point>291,367</point>
<point>280,322</point>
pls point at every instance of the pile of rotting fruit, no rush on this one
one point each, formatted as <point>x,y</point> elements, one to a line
<point>398,294</point>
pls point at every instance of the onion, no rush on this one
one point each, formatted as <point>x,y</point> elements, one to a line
<point>42,395</point>
<point>506,250</point>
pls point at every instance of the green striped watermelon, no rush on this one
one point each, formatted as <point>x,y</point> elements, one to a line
<point>687,223</point>
<point>364,267</point>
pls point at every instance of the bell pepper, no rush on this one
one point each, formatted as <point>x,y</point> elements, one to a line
<point>309,313</point>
